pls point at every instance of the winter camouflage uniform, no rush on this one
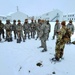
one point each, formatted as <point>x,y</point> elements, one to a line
<point>1,29</point>
<point>61,41</point>
<point>71,27</point>
<point>56,28</point>
<point>33,29</point>
<point>14,28</point>
<point>26,29</point>
<point>8,28</point>
<point>43,35</point>
<point>19,30</point>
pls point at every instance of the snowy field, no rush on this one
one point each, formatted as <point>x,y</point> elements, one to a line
<point>21,58</point>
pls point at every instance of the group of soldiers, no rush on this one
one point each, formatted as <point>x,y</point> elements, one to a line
<point>42,28</point>
<point>22,31</point>
<point>18,29</point>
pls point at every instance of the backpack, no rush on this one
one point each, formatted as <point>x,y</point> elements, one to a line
<point>67,35</point>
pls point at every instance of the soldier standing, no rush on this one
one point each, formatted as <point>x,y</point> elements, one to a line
<point>56,28</point>
<point>19,31</point>
<point>63,37</point>
<point>71,27</point>
<point>8,28</point>
<point>33,29</point>
<point>26,28</point>
<point>43,35</point>
<point>14,28</point>
<point>1,30</point>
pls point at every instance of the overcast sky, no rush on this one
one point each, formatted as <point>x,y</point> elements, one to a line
<point>36,7</point>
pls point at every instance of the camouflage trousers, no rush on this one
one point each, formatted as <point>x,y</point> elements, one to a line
<point>26,34</point>
<point>14,34</point>
<point>33,34</point>
<point>43,44</point>
<point>19,34</point>
<point>8,33</point>
<point>59,49</point>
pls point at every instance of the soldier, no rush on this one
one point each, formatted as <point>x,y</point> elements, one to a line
<point>1,30</point>
<point>63,37</point>
<point>26,28</point>
<point>56,28</point>
<point>71,27</point>
<point>43,35</point>
<point>19,31</point>
<point>14,28</point>
<point>8,28</point>
<point>33,29</point>
<point>49,28</point>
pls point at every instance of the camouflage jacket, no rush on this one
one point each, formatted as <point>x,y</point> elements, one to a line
<point>56,27</point>
<point>13,27</point>
<point>19,27</point>
<point>26,26</point>
<point>1,26</point>
<point>44,29</point>
<point>71,27</point>
<point>62,36</point>
<point>38,27</point>
<point>8,26</point>
<point>32,25</point>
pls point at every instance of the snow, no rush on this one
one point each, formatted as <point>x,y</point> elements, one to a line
<point>21,58</point>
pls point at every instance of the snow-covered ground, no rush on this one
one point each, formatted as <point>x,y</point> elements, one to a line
<point>21,58</point>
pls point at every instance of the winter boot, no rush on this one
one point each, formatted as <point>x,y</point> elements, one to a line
<point>57,58</point>
<point>44,50</point>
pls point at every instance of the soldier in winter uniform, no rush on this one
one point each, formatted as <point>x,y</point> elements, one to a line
<point>71,27</point>
<point>19,31</point>
<point>14,28</point>
<point>63,37</point>
<point>43,35</point>
<point>26,29</point>
<point>56,29</point>
<point>1,30</point>
<point>33,29</point>
<point>8,28</point>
